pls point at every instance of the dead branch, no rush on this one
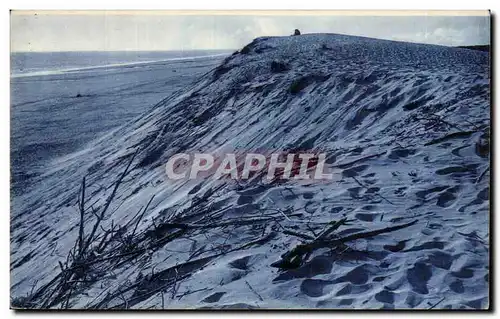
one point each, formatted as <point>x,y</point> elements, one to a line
<point>142,215</point>
<point>108,202</point>
<point>482,174</point>
<point>82,212</point>
<point>374,233</point>
<point>437,303</point>
<point>365,187</point>
<point>303,236</point>
<point>253,290</point>
<point>299,254</point>
<point>332,228</point>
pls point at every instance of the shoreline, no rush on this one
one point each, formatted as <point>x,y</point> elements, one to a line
<point>112,66</point>
<point>47,111</point>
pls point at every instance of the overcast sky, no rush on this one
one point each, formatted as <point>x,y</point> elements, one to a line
<point>159,31</point>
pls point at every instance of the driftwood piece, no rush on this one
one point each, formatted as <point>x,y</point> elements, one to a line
<point>295,257</point>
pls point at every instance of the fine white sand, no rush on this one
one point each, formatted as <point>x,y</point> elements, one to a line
<point>382,110</point>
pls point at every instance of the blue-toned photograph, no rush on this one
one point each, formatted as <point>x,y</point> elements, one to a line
<point>251,160</point>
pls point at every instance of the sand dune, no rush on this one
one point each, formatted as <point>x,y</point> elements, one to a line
<point>406,127</point>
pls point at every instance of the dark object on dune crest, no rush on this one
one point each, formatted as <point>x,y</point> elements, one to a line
<point>296,32</point>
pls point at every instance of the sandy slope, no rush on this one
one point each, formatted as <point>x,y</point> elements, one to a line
<point>49,120</point>
<point>383,110</point>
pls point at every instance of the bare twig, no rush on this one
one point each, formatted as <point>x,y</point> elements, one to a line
<point>253,290</point>
<point>376,232</point>
<point>295,257</point>
<point>108,202</point>
<point>82,212</point>
<point>482,174</point>
<point>437,303</point>
<point>362,185</point>
<point>303,236</point>
<point>332,228</point>
<point>174,287</point>
<point>140,217</point>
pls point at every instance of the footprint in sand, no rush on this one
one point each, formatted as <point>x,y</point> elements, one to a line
<point>359,275</point>
<point>401,152</point>
<point>214,297</point>
<point>395,282</point>
<point>317,266</point>
<point>354,192</point>
<point>481,197</point>
<point>331,304</point>
<point>240,263</point>
<point>413,300</point>
<point>308,195</point>
<point>457,286</point>
<point>456,151</point>
<point>395,248</point>
<point>477,303</point>
<point>435,244</point>
<point>353,172</point>
<point>351,289</point>
<point>311,207</point>
<point>457,169</point>
<point>314,287</point>
<point>367,217</point>
<point>440,259</point>
<point>385,296</point>
<point>446,199</point>
<point>464,272</point>
<point>418,276</point>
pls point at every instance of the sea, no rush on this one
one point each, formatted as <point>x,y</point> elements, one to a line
<point>60,101</point>
<point>45,63</point>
